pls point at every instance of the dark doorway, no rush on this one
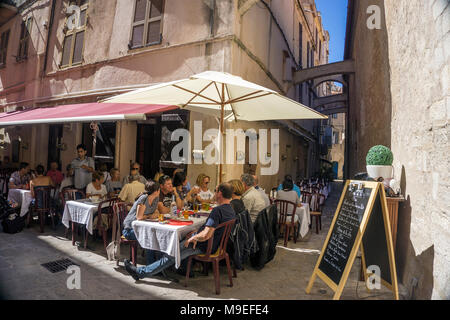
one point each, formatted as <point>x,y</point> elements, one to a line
<point>105,143</point>
<point>148,146</point>
<point>55,133</point>
<point>153,145</point>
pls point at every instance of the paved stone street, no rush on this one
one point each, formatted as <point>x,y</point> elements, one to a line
<point>284,278</point>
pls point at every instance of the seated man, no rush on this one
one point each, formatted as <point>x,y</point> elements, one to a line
<point>188,247</point>
<point>167,195</point>
<point>132,190</point>
<point>261,190</point>
<point>68,180</point>
<point>56,175</point>
<point>134,170</point>
<point>252,198</point>
<point>19,179</point>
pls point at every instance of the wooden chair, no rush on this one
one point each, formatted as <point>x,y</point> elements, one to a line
<point>306,197</point>
<point>286,219</point>
<point>42,206</point>
<point>316,205</point>
<point>120,209</point>
<point>105,210</point>
<point>215,258</point>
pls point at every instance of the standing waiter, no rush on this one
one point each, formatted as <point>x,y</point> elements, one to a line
<point>83,167</point>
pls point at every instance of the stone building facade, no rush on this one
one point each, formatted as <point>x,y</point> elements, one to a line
<point>399,97</point>
<point>121,45</point>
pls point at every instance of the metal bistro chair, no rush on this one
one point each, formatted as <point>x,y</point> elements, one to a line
<point>42,206</point>
<point>288,219</point>
<point>215,258</point>
<point>120,209</point>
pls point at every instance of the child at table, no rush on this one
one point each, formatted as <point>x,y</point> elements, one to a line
<point>145,206</point>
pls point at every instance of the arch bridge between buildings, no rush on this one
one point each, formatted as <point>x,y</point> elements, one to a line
<point>332,103</point>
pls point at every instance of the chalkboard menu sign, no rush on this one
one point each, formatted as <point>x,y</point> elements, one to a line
<point>343,235</point>
<point>361,219</point>
<point>375,238</point>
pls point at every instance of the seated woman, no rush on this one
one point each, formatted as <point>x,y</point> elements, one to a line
<point>203,194</point>
<point>40,180</point>
<point>96,187</point>
<point>288,193</point>
<point>145,207</point>
<point>187,185</point>
<point>114,185</point>
<point>180,182</point>
<point>238,189</point>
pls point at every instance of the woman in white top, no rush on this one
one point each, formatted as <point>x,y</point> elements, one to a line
<point>96,187</point>
<point>204,195</point>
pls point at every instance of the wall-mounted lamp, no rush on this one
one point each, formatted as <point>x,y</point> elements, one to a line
<point>197,154</point>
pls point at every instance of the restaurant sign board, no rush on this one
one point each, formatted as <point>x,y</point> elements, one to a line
<point>361,221</point>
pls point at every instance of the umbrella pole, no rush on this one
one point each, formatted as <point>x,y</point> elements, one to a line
<point>221,143</point>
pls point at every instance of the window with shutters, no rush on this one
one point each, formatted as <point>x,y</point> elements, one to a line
<point>308,52</point>
<point>74,38</point>
<point>25,31</point>
<point>300,47</point>
<point>3,47</point>
<point>146,29</point>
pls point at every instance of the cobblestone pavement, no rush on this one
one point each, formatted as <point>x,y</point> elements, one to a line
<point>284,278</point>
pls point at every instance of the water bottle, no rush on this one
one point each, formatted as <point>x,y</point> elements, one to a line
<point>173,206</point>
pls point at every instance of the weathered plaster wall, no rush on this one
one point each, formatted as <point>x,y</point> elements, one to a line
<point>419,57</point>
<point>370,97</point>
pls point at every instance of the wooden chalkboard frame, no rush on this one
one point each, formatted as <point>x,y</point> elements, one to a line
<point>377,188</point>
<point>393,286</point>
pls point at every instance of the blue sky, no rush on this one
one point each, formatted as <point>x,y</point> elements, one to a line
<point>334,18</point>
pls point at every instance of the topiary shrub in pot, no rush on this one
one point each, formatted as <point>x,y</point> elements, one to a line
<point>379,162</point>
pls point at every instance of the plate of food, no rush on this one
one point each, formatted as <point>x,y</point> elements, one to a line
<point>182,219</point>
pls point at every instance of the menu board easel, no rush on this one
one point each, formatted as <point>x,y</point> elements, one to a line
<point>361,219</point>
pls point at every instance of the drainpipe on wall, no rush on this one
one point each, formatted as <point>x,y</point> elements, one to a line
<point>211,17</point>
<point>50,24</point>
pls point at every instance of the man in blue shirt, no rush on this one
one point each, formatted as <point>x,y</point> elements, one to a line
<point>197,242</point>
<point>296,188</point>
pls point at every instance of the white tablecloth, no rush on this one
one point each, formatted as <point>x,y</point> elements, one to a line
<point>79,212</point>
<point>304,218</point>
<point>22,197</point>
<point>164,237</point>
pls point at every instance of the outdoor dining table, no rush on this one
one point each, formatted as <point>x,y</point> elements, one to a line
<point>22,197</point>
<point>164,237</point>
<point>80,211</point>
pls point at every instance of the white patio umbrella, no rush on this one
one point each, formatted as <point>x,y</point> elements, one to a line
<point>222,95</point>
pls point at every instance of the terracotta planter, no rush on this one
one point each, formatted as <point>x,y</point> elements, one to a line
<point>379,171</point>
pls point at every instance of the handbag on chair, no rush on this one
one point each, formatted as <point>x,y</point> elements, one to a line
<point>113,248</point>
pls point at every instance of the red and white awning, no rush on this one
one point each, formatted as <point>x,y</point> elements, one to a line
<point>85,112</point>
